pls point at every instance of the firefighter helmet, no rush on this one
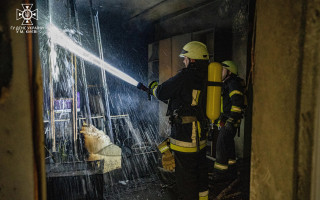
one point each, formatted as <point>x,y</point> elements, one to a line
<point>231,66</point>
<point>195,50</point>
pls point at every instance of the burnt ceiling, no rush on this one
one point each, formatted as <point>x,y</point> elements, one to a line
<point>147,10</point>
<point>137,12</point>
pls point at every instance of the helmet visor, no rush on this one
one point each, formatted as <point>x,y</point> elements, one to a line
<point>224,65</point>
<point>183,52</point>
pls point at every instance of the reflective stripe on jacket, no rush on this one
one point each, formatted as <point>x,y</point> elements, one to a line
<point>183,92</point>
<point>232,99</point>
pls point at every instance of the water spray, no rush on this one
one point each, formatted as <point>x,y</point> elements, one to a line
<point>58,37</point>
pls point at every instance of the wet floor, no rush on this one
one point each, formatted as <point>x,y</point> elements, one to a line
<point>141,189</point>
<point>156,188</point>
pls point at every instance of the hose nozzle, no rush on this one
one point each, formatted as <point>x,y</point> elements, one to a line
<point>142,87</point>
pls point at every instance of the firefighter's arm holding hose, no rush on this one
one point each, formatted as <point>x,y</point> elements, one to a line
<point>167,89</point>
<point>156,89</point>
<point>164,92</point>
<point>167,159</point>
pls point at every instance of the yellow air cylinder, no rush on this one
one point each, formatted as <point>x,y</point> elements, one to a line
<point>214,91</point>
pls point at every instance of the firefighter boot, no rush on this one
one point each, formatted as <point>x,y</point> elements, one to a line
<point>221,176</point>
<point>233,171</point>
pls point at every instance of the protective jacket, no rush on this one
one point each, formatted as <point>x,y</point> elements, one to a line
<point>231,113</point>
<point>232,100</point>
<point>186,97</point>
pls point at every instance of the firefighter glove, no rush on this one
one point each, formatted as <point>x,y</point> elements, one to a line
<point>153,86</point>
<point>167,160</point>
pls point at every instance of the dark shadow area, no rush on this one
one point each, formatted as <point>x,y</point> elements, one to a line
<point>5,57</point>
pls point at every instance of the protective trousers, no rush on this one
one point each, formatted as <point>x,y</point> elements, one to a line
<point>225,147</point>
<point>192,175</point>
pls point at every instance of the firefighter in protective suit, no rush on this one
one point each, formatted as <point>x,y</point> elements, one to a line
<point>231,113</point>
<point>186,97</point>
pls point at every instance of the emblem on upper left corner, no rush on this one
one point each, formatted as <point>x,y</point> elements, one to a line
<point>27,14</point>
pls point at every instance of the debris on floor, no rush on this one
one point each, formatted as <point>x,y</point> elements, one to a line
<point>140,189</point>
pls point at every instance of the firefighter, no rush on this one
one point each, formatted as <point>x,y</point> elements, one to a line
<point>231,113</point>
<point>185,94</point>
